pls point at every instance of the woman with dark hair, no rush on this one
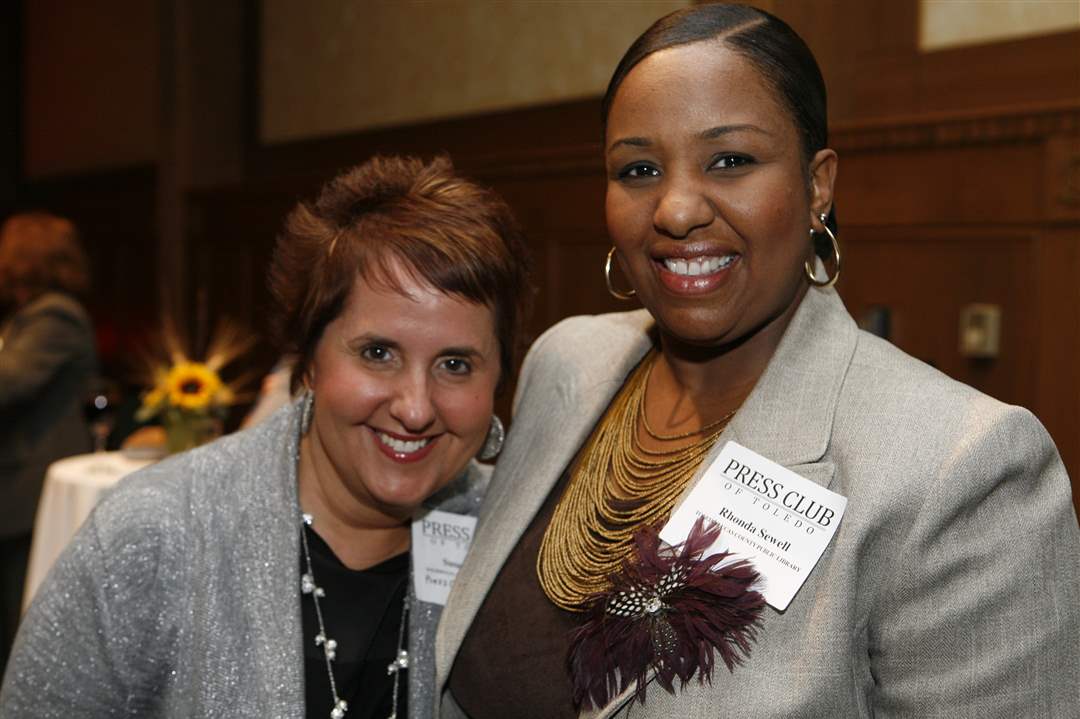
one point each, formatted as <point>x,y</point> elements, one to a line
<point>950,585</point>
<point>268,573</point>
<point>47,360</point>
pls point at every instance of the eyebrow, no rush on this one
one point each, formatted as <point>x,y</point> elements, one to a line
<point>461,352</point>
<point>631,141</point>
<point>360,341</point>
<point>714,132</point>
<point>711,134</point>
<point>368,338</point>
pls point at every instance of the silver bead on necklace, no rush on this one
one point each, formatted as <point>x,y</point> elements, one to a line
<point>329,646</point>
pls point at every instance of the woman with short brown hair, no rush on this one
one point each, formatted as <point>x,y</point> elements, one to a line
<point>267,574</point>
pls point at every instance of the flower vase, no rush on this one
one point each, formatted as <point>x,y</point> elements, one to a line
<point>184,430</point>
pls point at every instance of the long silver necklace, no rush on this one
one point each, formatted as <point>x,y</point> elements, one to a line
<point>329,646</point>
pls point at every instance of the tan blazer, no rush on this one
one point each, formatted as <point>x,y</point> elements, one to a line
<point>952,587</point>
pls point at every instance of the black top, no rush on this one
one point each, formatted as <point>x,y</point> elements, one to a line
<point>519,638</point>
<point>362,612</point>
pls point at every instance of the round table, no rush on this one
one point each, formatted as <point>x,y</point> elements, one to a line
<point>72,487</point>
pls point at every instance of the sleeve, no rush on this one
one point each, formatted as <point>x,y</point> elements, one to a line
<point>981,616</point>
<point>45,340</point>
<point>92,644</point>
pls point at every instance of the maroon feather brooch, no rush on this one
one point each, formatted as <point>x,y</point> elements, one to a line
<point>669,609</point>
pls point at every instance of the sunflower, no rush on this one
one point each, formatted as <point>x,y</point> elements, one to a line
<point>192,386</point>
<point>154,397</point>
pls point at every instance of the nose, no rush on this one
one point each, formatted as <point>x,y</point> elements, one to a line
<point>683,208</point>
<point>412,403</point>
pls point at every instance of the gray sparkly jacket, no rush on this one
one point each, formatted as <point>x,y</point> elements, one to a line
<point>179,596</point>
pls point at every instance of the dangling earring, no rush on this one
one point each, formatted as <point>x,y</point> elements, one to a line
<point>308,401</point>
<point>617,294</point>
<point>494,441</point>
<point>809,267</point>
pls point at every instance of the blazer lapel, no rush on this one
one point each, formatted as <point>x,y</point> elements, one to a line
<point>789,415</point>
<point>561,408</point>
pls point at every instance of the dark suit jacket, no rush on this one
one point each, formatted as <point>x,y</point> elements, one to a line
<point>46,360</point>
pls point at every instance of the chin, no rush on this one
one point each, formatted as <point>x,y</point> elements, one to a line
<point>699,329</point>
<point>407,499</point>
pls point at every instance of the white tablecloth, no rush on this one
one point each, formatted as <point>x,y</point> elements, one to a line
<point>72,487</point>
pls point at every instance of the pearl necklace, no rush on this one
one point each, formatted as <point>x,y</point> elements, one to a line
<point>329,646</point>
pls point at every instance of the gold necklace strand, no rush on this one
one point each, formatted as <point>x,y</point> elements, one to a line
<point>722,422</point>
<point>617,487</point>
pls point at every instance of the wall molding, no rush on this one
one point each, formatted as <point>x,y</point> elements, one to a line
<point>995,125</point>
<point>492,146</point>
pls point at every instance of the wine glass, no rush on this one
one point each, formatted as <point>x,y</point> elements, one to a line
<point>99,408</point>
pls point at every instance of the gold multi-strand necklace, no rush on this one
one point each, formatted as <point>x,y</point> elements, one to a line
<point>617,487</point>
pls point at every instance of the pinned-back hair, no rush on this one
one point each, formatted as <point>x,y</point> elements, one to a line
<point>765,40</point>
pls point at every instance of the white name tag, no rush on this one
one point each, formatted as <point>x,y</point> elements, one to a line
<point>439,543</point>
<point>778,520</point>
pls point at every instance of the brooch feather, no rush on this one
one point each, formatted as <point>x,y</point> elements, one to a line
<point>669,609</point>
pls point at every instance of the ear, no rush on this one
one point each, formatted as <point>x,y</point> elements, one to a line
<point>822,177</point>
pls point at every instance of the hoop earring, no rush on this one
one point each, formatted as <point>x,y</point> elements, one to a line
<point>836,253</point>
<point>617,294</point>
<point>494,441</point>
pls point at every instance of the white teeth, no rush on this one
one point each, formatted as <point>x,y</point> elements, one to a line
<point>699,265</point>
<point>402,446</point>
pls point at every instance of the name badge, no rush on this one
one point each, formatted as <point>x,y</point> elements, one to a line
<point>439,543</point>
<point>768,514</point>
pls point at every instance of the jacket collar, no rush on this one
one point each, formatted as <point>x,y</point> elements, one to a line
<point>788,417</point>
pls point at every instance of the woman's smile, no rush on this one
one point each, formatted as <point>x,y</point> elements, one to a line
<point>404,449</point>
<point>696,275</point>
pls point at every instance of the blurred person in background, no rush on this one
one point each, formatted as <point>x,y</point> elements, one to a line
<point>47,360</point>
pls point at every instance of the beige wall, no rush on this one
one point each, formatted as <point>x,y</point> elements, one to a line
<point>951,23</point>
<point>334,66</point>
<point>91,85</point>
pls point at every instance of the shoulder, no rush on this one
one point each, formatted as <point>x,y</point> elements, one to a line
<point>884,380</point>
<point>208,488</point>
<point>590,348</point>
<point>56,304</point>
<point>53,321</point>
<point>579,334</point>
<point>934,428</point>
